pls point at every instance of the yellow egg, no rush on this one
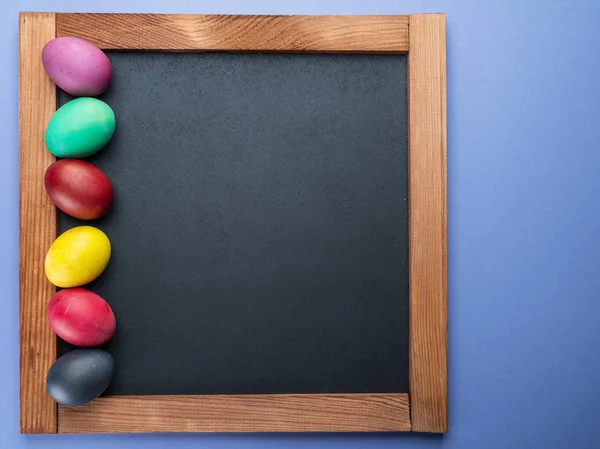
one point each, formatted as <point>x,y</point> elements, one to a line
<point>77,256</point>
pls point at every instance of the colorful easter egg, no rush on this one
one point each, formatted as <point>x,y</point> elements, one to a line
<point>80,128</point>
<point>80,376</point>
<point>81,317</point>
<point>77,66</point>
<point>77,257</point>
<point>79,189</point>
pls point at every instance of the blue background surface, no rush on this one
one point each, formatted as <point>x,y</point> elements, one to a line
<point>524,246</point>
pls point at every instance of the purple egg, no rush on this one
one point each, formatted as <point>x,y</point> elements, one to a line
<point>77,66</point>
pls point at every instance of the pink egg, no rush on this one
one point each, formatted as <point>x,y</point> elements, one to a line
<point>81,317</point>
<point>77,66</point>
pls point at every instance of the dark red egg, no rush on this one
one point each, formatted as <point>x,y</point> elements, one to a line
<point>81,317</point>
<point>79,189</point>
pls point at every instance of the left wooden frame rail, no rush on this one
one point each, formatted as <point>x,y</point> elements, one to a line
<point>424,409</point>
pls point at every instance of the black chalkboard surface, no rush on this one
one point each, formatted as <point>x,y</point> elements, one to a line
<point>260,226</point>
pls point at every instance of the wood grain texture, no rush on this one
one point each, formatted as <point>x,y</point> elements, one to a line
<point>240,413</point>
<point>428,234</point>
<point>37,103</point>
<point>171,32</point>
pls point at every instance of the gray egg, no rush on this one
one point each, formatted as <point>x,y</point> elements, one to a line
<point>80,376</point>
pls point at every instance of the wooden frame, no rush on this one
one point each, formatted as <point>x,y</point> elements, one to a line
<point>424,409</point>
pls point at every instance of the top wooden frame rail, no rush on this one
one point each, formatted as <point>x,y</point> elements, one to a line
<point>323,34</point>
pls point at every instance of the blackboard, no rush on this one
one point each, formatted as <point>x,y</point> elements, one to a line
<point>260,227</point>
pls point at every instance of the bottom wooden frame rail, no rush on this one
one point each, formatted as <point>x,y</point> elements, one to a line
<point>385,412</point>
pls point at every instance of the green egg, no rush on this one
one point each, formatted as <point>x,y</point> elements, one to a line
<point>80,128</point>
